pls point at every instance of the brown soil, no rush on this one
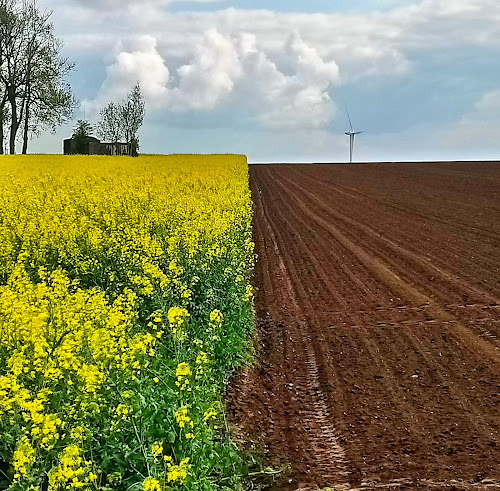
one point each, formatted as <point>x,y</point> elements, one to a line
<point>378,308</point>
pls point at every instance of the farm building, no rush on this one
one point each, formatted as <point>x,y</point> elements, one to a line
<point>90,145</point>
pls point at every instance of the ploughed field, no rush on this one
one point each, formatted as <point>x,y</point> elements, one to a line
<point>378,303</point>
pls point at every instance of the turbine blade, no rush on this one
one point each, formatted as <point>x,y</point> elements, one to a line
<point>349,117</point>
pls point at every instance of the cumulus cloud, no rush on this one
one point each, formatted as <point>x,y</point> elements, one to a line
<point>210,76</point>
<point>300,98</point>
<point>137,60</point>
<point>226,68</point>
<point>489,105</point>
<point>373,44</point>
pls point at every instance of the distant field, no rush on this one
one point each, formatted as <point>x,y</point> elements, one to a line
<point>378,303</point>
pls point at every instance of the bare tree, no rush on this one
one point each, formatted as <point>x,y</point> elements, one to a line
<point>31,71</point>
<point>132,117</point>
<point>109,126</point>
<point>123,121</point>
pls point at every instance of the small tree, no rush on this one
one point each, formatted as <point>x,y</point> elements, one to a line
<point>109,127</point>
<point>81,133</point>
<point>123,121</point>
<point>132,116</point>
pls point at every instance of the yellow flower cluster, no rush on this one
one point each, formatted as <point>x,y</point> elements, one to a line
<point>174,472</point>
<point>249,293</point>
<point>202,358</point>
<point>24,457</point>
<point>151,484</point>
<point>179,472</point>
<point>209,415</point>
<point>182,417</point>
<point>183,373</point>
<point>177,317</point>
<point>216,317</point>
<point>73,471</point>
<point>157,450</point>
<point>79,209</point>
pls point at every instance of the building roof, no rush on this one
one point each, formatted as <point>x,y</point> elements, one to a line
<point>88,138</point>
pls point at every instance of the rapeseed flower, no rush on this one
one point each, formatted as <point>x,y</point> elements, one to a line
<point>151,484</point>
<point>123,411</point>
<point>177,315</point>
<point>179,472</point>
<point>183,370</point>
<point>24,458</point>
<point>208,415</point>
<point>249,293</point>
<point>157,450</point>
<point>182,418</point>
<point>216,317</point>
<point>202,358</point>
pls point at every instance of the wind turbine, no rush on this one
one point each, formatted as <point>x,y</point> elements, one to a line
<point>351,134</point>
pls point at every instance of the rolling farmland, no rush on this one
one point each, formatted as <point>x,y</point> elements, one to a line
<point>378,307</point>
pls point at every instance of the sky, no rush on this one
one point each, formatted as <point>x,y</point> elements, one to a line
<point>272,79</point>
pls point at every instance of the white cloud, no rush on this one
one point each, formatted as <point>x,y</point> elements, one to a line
<point>137,60</point>
<point>300,98</point>
<point>489,105</point>
<point>210,76</point>
<point>222,68</point>
<point>373,42</point>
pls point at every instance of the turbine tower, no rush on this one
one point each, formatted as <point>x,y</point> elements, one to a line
<point>352,135</point>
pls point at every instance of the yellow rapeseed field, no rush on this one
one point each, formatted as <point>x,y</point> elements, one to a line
<point>125,303</point>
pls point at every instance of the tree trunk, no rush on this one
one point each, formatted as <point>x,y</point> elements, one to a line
<point>25,135</point>
<point>26,124</point>
<point>14,124</point>
<point>2,122</point>
<point>1,130</point>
